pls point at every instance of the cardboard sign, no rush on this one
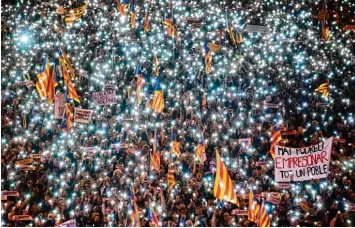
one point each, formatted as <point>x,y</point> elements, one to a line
<point>104,97</point>
<point>82,115</point>
<point>246,141</point>
<point>24,161</point>
<point>22,218</point>
<point>239,212</point>
<point>59,106</point>
<point>10,193</point>
<point>257,28</point>
<point>301,164</point>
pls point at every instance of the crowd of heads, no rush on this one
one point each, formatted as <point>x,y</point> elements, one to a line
<point>88,174</point>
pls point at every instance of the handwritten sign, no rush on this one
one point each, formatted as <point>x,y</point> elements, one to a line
<point>59,106</point>
<point>301,164</point>
<point>82,115</point>
<point>104,97</point>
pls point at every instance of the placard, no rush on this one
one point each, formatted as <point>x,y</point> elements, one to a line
<point>284,185</point>
<point>90,151</point>
<point>272,197</point>
<point>270,105</point>
<point>239,212</point>
<point>82,115</point>
<point>301,164</point>
<point>10,193</point>
<point>104,97</point>
<point>59,106</point>
<point>246,141</point>
<point>257,28</point>
<point>22,218</point>
<point>110,87</point>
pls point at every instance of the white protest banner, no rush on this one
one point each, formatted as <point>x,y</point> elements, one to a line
<point>239,212</point>
<point>10,193</point>
<point>82,115</point>
<point>257,28</point>
<point>301,164</point>
<point>59,106</point>
<point>104,97</point>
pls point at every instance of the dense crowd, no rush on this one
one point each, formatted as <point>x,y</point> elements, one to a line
<point>88,174</point>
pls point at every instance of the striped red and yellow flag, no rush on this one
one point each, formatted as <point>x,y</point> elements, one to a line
<point>239,38</point>
<point>133,15</point>
<point>208,58</point>
<point>175,148</point>
<point>42,80</point>
<point>156,66</point>
<point>171,178</point>
<point>51,87</point>
<point>158,101</point>
<point>170,28</point>
<point>264,220</point>
<point>204,101</point>
<point>146,24</point>
<point>155,155</point>
<point>223,186</point>
<point>67,69</point>
<point>72,93</point>
<point>253,207</point>
<point>231,34</point>
<point>323,89</point>
<point>275,139</point>
<point>121,6</point>
<point>74,14</point>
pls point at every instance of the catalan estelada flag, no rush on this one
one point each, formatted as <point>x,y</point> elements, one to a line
<point>223,186</point>
<point>323,89</point>
<point>74,14</point>
<point>201,151</point>
<point>208,58</point>
<point>275,139</point>
<point>156,65</point>
<point>140,82</point>
<point>175,145</point>
<point>67,69</point>
<point>146,24</point>
<point>170,24</point>
<point>67,121</point>
<point>42,80</point>
<point>253,207</point>
<point>155,155</point>
<point>133,14</point>
<point>71,92</point>
<point>133,217</point>
<point>152,216</point>
<point>158,98</point>
<point>171,178</point>
<point>51,84</point>
<point>121,6</point>
<point>264,220</point>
